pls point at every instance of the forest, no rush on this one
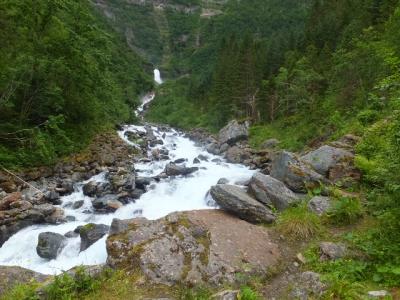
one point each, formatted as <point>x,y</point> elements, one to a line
<point>65,75</point>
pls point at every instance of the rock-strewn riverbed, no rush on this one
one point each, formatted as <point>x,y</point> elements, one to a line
<point>60,217</point>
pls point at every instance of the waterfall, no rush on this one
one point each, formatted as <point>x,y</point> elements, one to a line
<point>157,76</point>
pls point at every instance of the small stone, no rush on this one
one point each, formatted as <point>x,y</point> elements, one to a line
<point>71,234</point>
<point>378,294</point>
<point>78,204</point>
<point>70,218</point>
<point>202,157</point>
<point>301,259</point>
<point>223,181</point>
<point>270,144</point>
<point>332,251</point>
<point>319,205</point>
<point>179,161</point>
<point>226,295</point>
<point>90,188</point>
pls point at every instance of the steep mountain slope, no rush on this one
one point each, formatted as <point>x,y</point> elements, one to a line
<point>64,76</point>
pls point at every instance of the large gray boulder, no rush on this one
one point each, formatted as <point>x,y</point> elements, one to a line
<point>271,191</point>
<point>195,247</point>
<point>297,175</point>
<point>233,132</point>
<point>175,170</point>
<point>326,157</point>
<point>237,155</point>
<point>91,233</point>
<point>50,244</point>
<point>236,201</point>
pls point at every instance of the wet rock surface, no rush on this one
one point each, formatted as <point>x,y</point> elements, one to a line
<point>91,233</point>
<point>50,244</point>
<point>192,247</point>
<point>173,169</point>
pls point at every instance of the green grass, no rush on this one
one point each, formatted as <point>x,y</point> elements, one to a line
<point>247,293</point>
<point>22,292</point>
<point>298,223</point>
<point>114,285</point>
<point>345,211</point>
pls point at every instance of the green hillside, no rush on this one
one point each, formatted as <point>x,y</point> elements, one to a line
<point>64,76</point>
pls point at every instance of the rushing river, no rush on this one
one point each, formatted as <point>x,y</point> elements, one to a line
<point>169,195</point>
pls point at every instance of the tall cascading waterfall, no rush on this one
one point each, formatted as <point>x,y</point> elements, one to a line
<point>157,76</point>
<point>179,193</point>
<point>146,99</point>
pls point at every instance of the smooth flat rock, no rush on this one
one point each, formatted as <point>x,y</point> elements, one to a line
<point>194,247</point>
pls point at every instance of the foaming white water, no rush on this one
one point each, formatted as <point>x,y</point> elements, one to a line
<point>146,99</point>
<point>169,195</point>
<point>157,76</point>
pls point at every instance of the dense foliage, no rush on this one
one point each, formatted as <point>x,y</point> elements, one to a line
<point>230,54</point>
<point>63,74</point>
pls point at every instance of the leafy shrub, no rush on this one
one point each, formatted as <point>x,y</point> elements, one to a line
<point>66,287</point>
<point>299,223</point>
<point>367,116</point>
<point>344,290</point>
<point>22,292</point>
<point>345,210</point>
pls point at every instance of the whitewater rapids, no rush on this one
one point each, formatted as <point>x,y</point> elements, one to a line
<point>167,196</point>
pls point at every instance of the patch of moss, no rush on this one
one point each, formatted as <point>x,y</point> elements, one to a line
<point>187,265</point>
<point>206,242</point>
<point>86,228</point>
